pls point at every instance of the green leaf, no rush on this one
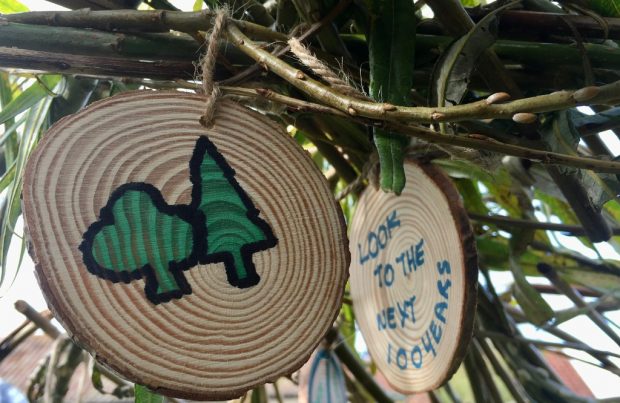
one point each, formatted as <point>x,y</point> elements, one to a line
<point>35,120</point>
<point>143,395</point>
<point>35,93</point>
<point>347,326</point>
<point>391,46</point>
<point>501,186</point>
<point>494,251</point>
<point>557,207</point>
<point>95,379</point>
<point>259,395</point>
<point>533,304</point>
<point>457,63</point>
<point>318,159</point>
<point>570,313</point>
<point>12,6</point>
<point>10,141</point>
<point>562,210</point>
<point>8,177</point>
<point>606,8</point>
<point>597,280</point>
<point>471,196</point>
<point>560,135</point>
<point>613,209</point>
<point>461,169</point>
<point>584,122</point>
<point>6,95</point>
<point>121,391</point>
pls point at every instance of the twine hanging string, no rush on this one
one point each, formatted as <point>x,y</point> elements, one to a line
<point>209,87</point>
<point>323,71</point>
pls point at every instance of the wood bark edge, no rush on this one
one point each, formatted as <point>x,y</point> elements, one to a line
<point>470,263</point>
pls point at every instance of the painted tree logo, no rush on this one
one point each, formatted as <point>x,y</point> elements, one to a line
<point>138,235</point>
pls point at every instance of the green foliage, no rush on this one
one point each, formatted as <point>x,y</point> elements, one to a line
<point>534,306</point>
<point>560,135</point>
<point>12,6</point>
<point>35,102</point>
<point>373,42</point>
<point>391,49</point>
<point>39,90</point>
<point>259,395</point>
<point>453,70</point>
<point>347,327</point>
<point>144,395</point>
<point>121,391</point>
<point>606,8</point>
<point>471,195</point>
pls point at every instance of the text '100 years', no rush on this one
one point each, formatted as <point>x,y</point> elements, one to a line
<point>399,268</point>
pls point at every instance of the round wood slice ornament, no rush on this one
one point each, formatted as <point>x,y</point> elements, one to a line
<point>321,379</point>
<point>197,262</point>
<point>414,279</point>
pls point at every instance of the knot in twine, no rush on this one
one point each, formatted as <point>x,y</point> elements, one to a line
<point>209,87</point>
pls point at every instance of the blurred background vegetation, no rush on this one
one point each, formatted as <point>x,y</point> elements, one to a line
<point>546,234</point>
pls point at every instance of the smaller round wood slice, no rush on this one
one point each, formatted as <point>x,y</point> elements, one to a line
<point>321,379</point>
<point>413,279</point>
<point>198,262</point>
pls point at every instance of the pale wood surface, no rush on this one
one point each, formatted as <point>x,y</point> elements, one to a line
<point>429,209</point>
<point>219,341</point>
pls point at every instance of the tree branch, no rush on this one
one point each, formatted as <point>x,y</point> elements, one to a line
<point>502,221</point>
<point>100,43</point>
<point>361,374</point>
<point>529,24</point>
<point>42,322</point>
<point>93,65</point>
<point>354,108</point>
<point>383,111</point>
<point>549,272</point>
<point>471,141</point>
<point>145,21</point>
<point>540,343</point>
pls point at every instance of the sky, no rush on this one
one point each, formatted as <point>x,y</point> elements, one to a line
<point>601,382</point>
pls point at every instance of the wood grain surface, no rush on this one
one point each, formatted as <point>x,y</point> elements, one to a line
<point>219,340</point>
<point>414,279</point>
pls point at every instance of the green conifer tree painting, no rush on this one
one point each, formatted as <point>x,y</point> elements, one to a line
<point>235,230</point>
<point>138,235</point>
